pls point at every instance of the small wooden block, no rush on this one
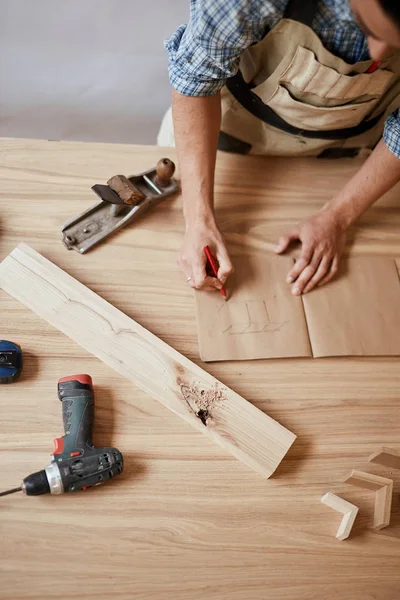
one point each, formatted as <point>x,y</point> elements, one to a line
<point>383,496</point>
<point>386,457</point>
<point>348,510</point>
<point>125,189</point>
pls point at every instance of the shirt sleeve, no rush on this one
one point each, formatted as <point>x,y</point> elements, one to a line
<point>206,51</point>
<point>391,133</point>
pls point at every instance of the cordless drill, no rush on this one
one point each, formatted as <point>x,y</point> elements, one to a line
<point>76,464</point>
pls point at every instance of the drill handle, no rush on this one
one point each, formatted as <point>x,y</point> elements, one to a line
<point>76,394</point>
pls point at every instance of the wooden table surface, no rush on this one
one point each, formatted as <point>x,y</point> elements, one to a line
<point>187,521</point>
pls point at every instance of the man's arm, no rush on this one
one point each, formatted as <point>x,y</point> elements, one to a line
<point>323,235</point>
<point>202,56</point>
<point>196,124</point>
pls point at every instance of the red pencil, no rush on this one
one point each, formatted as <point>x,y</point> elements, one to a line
<point>213,265</point>
<point>374,66</point>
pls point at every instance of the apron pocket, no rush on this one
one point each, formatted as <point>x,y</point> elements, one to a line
<point>306,116</point>
<point>309,76</point>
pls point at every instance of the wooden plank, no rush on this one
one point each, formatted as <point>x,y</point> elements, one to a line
<point>388,457</point>
<point>180,385</point>
<point>348,510</point>
<point>383,488</point>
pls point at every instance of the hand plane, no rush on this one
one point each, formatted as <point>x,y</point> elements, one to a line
<point>122,200</point>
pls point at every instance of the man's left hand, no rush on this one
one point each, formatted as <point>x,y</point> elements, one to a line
<point>322,242</point>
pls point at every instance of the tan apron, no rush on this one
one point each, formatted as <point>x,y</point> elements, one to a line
<point>293,97</point>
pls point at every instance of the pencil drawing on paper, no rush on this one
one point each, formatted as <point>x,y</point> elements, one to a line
<point>252,316</point>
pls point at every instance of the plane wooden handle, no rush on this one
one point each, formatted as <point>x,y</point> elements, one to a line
<point>165,169</point>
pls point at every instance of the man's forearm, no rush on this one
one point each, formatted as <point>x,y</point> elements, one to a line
<point>196,124</point>
<point>379,173</point>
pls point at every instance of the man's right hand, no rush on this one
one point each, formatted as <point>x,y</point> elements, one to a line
<point>192,259</point>
<point>197,122</point>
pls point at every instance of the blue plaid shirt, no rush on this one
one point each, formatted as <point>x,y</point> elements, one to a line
<point>204,53</point>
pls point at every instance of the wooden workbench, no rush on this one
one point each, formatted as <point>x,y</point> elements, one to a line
<point>187,521</point>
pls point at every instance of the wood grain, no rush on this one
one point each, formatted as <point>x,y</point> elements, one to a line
<point>131,350</point>
<point>187,521</point>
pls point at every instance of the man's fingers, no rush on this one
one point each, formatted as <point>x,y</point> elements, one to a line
<point>200,279</point>
<point>200,282</point>
<point>321,272</point>
<point>194,267</point>
<point>213,282</point>
<point>331,273</point>
<point>182,263</point>
<point>199,274</point>
<point>301,263</point>
<point>225,265</point>
<point>285,240</point>
<point>305,276</point>
<point>209,288</point>
<point>186,269</point>
<point>210,284</point>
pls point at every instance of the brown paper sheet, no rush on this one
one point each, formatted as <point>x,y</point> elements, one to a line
<point>356,314</point>
<point>261,318</point>
<point>359,312</point>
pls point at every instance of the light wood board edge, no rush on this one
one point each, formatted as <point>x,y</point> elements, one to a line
<point>348,510</point>
<point>388,457</point>
<point>249,434</point>
<point>383,488</point>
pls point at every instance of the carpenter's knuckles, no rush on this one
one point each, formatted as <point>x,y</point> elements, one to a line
<point>334,269</point>
<point>198,284</point>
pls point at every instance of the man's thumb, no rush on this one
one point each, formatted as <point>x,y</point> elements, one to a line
<point>285,240</point>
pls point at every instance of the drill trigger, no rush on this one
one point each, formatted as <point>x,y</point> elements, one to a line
<point>58,445</point>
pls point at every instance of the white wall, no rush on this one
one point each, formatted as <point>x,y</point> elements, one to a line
<point>85,69</point>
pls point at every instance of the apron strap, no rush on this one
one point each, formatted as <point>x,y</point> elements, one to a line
<point>302,11</point>
<point>241,91</point>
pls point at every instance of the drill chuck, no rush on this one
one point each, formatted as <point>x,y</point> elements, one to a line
<point>36,484</point>
<point>46,481</point>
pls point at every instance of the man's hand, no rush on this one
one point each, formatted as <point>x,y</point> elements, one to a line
<point>322,240</point>
<point>192,259</point>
